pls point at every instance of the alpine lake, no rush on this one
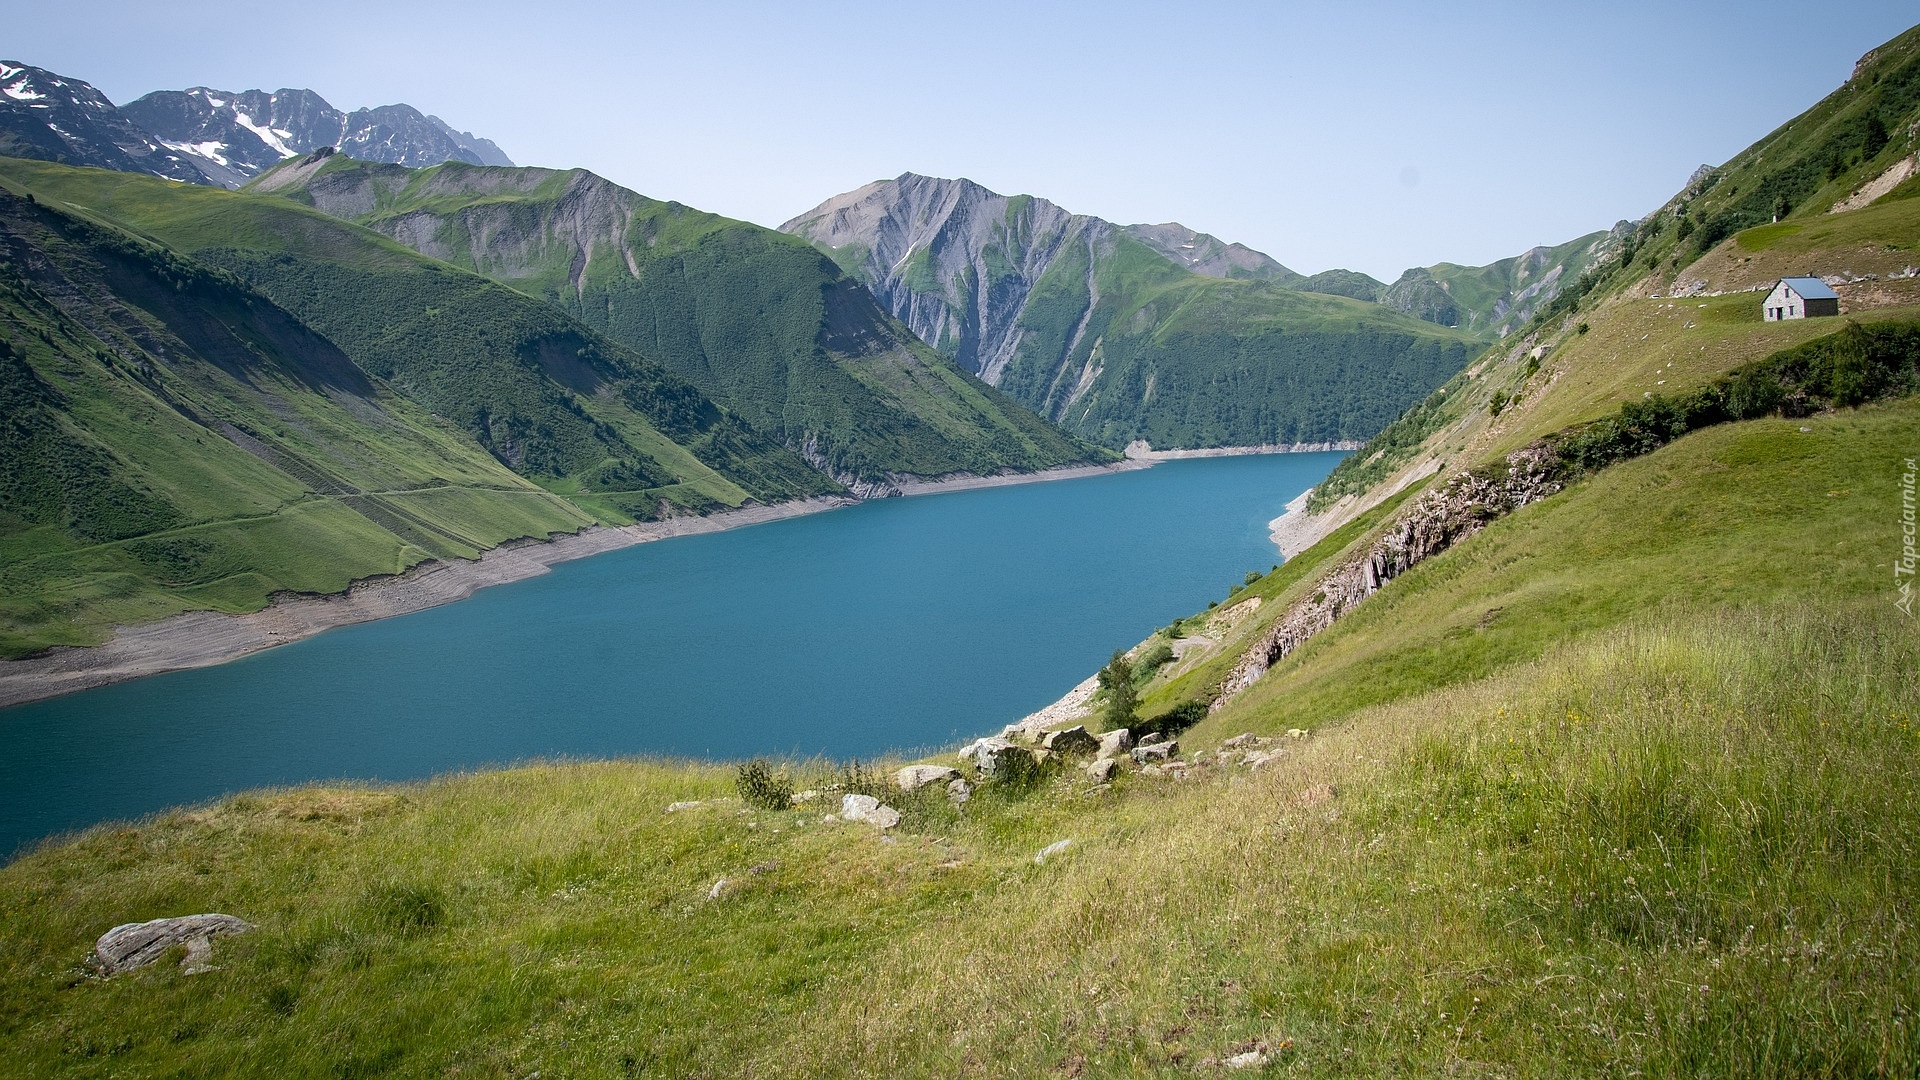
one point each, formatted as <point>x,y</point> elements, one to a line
<point>891,626</point>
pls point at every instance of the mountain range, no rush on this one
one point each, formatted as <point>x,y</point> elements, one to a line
<point>759,321</point>
<point>1103,333</point>
<point>210,136</point>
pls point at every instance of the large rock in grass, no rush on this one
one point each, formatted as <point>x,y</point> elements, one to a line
<point>868,809</point>
<point>980,751</point>
<point>1158,753</point>
<point>1071,742</point>
<point>915,777</point>
<point>1115,743</point>
<point>135,945</point>
<point>997,758</point>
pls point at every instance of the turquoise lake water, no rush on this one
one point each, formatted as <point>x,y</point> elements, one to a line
<point>898,624</point>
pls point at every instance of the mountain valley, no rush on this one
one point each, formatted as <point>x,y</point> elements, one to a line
<point>1577,732</point>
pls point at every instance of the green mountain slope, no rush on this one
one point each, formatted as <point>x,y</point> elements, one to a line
<point>1084,322</point>
<point>757,320</point>
<point>1500,297</point>
<point>545,395</point>
<point>171,439</point>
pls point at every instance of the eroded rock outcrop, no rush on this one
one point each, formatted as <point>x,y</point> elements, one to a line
<point>1436,521</point>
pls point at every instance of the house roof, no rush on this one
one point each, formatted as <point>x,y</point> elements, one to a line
<point>1810,288</point>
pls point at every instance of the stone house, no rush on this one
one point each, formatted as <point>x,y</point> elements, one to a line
<point>1800,298</point>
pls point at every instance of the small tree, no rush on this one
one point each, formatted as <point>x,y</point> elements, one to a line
<point>1875,139</point>
<point>1122,699</point>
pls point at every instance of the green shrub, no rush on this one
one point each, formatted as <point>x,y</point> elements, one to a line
<point>1117,681</point>
<point>1849,367</point>
<point>1151,661</point>
<point>758,785</point>
<point>1173,721</point>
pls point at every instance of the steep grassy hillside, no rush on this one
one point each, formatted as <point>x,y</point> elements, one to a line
<point>1094,328</point>
<point>171,439</point>
<point>759,321</point>
<point>543,394</point>
<point>1806,169</point>
<point>1677,841</point>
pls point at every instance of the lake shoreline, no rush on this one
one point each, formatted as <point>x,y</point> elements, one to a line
<point>196,639</point>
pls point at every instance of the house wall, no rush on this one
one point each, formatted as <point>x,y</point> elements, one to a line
<point>1783,303</point>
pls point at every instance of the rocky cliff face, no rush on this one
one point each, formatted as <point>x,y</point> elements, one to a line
<point>955,262</point>
<point>1124,333</point>
<point>235,137</point>
<point>50,117</point>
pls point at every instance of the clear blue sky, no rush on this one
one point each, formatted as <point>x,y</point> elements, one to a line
<point>1372,136</point>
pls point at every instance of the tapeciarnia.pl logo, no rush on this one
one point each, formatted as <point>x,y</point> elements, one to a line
<point>1903,567</point>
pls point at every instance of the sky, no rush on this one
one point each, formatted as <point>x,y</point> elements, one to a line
<point>1371,136</point>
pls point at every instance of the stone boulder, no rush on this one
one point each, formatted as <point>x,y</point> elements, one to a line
<point>915,777</point>
<point>1151,738</point>
<point>980,752</point>
<point>1243,742</point>
<point>1071,742</point>
<point>868,809</point>
<point>135,945</point>
<point>1103,770</point>
<point>1115,742</point>
<point>996,757</point>
<point>959,791</point>
<point>1158,753</point>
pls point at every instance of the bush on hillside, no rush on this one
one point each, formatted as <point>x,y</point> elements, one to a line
<point>758,785</point>
<point>1151,661</point>
<point>1173,721</point>
<point>1117,682</point>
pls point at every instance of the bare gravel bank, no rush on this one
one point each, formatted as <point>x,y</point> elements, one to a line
<point>203,638</point>
<point>1142,451</point>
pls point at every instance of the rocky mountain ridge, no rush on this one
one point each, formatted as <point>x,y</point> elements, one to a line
<point>237,136</point>
<point>207,136</point>
<point>1120,333</point>
<point>1210,255</point>
<point>50,117</point>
